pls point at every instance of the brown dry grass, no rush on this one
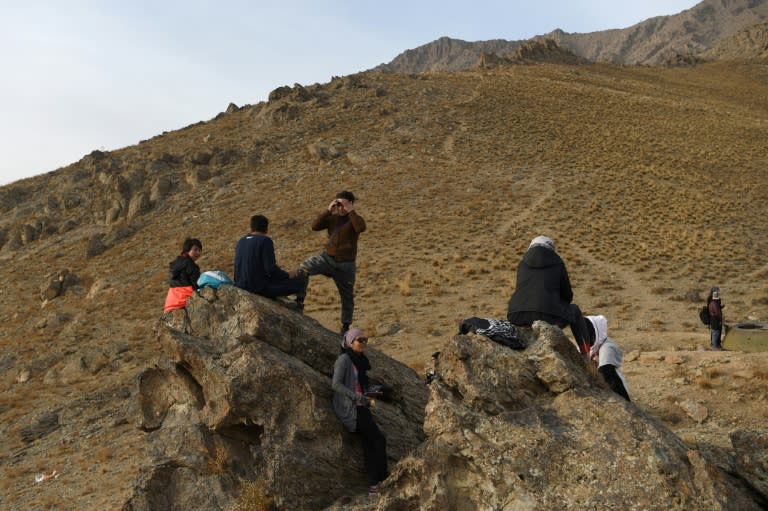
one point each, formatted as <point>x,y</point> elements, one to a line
<point>254,498</point>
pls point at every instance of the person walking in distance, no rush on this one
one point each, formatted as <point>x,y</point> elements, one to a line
<point>715,306</point>
<point>338,259</point>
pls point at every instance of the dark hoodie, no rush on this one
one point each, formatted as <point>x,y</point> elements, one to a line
<point>542,288</point>
<point>183,272</point>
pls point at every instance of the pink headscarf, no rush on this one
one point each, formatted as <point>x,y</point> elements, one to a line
<point>350,336</point>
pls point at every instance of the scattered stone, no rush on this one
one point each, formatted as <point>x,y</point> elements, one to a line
<point>751,458</point>
<point>47,423</point>
<point>96,246</point>
<point>675,359</point>
<point>323,151</point>
<point>388,328</point>
<point>56,284</point>
<point>279,93</point>
<point>695,411</point>
<point>200,157</point>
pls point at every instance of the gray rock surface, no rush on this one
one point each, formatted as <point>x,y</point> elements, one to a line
<point>536,429</point>
<point>242,392</point>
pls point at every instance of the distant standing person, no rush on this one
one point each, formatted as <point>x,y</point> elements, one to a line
<point>350,379</point>
<point>256,268</point>
<point>607,354</point>
<point>183,275</point>
<point>543,292</point>
<point>715,306</point>
<point>344,225</point>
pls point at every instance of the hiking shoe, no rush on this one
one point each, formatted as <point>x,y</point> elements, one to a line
<point>299,306</point>
<point>373,490</point>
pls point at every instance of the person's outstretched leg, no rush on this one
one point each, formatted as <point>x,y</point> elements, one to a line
<point>344,277</point>
<point>315,265</point>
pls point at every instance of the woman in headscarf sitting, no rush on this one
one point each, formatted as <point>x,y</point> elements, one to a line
<point>607,354</point>
<point>351,405</point>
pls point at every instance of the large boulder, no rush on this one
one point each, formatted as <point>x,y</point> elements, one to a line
<point>242,394</point>
<point>536,429</point>
<point>239,404</point>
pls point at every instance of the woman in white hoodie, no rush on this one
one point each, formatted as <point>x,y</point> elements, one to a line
<point>607,354</point>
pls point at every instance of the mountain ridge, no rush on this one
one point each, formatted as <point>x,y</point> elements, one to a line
<point>654,41</point>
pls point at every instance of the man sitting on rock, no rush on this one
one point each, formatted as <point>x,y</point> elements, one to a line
<point>256,269</point>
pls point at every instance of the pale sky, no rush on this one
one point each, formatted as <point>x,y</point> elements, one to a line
<point>80,75</point>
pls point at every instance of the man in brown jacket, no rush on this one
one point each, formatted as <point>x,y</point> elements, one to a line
<point>337,261</point>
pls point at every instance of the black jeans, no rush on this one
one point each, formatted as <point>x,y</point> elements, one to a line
<point>291,286</point>
<point>374,446</point>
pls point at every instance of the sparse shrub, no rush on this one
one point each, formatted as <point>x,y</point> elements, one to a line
<point>254,497</point>
<point>104,454</point>
<point>714,372</point>
<point>404,284</point>
<point>217,463</point>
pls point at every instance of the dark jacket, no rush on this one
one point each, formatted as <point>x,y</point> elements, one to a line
<point>183,272</point>
<point>542,286</point>
<point>343,232</point>
<point>255,264</point>
<point>715,314</point>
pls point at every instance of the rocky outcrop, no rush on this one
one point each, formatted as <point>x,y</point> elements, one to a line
<point>533,51</point>
<point>751,42</point>
<point>535,429</point>
<point>241,399</point>
<point>242,393</point>
<point>447,54</point>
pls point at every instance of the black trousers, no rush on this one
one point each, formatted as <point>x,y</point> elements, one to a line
<point>374,446</point>
<point>612,379</point>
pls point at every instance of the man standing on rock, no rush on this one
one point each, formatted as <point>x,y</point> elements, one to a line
<point>256,269</point>
<point>344,225</point>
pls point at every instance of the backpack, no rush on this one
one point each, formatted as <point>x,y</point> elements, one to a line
<point>213,278</point>
<point>704,314</point>
<point>499,331</point>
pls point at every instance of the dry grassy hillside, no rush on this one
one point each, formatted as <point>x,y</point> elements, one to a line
<point>651,181</point>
